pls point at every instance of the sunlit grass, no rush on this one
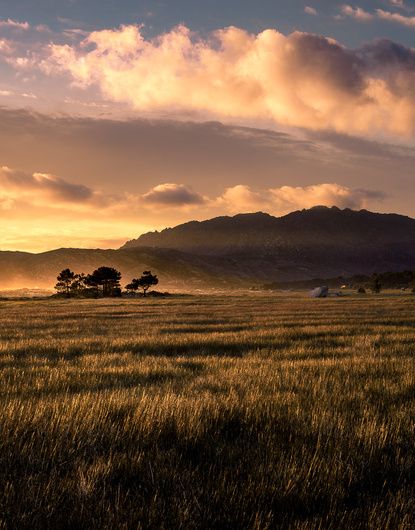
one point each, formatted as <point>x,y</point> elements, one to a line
<point>209,412</point>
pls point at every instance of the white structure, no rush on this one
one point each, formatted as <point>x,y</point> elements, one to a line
<point>320,292</point>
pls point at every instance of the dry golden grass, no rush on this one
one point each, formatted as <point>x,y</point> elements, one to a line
<point>258,411</point>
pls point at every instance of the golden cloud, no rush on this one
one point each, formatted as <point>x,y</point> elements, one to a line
<point>241,199</point>
<point>288,198</point>
<point>285,199</point>
<point>300,80</point>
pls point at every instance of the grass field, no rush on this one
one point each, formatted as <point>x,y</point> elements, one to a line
<point>259,411</point>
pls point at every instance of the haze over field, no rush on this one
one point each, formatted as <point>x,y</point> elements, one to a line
<point>117,118</point>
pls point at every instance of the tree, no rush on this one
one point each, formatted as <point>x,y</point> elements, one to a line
<point>375,284</point>
<point>144,282</point>
<point>131,287</point>
<point>65,279</point>
<point>106,278</point>
<point>79,284</point>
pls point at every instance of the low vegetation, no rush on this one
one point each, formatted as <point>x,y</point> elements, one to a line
<point>260,411</point>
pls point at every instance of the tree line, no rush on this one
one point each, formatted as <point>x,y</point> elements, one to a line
<point>104,281</point>
<point>376,282</point>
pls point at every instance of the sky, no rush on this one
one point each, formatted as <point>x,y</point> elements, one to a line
<point>120,117</point>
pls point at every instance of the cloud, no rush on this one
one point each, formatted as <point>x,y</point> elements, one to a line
<point>112,157</point>
<point>380,14</point>
<point>21,63</point>
<point>402,4</point>
<point>10,93</point>
<point>396,17</point>
<point>357,12</point>
<point>288,198</point>
<point>242,198</point>
<point>310,11</point>
<point>6,46</point>
<point>41,188</point>
<point>40,211</point>
<point>14,24</point>
<point>278,201</point>
<point>300,80</point>
<point>43,28</point>
<point>74,33</point>
<point>285,199</point>
<point>143,153</point>
<point>172,195</point>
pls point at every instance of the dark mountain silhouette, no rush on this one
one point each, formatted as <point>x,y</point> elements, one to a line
<point>319,226</point>
<point>303,244</point>
<point>242,250</point>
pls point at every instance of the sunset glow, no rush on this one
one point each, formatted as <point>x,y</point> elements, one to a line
<point>207,264</point>
<point>113,128</point>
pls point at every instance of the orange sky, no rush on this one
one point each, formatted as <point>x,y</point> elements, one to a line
<point>106,134</point>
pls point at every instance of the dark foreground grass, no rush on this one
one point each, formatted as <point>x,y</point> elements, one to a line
<point>239,412</point>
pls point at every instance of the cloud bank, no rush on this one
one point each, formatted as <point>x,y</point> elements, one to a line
<point>300,80</point>
<point>285,199</point>
<point>39,189</point>
<point>405,20</point>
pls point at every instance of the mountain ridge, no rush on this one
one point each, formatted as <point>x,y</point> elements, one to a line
<point>239,251</point>
<point>317,225</point>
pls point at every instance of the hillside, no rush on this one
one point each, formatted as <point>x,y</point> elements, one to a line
<point>320,241</point>
<point>242,250</point>
<point>177,270</point>
<point>318,226</point>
